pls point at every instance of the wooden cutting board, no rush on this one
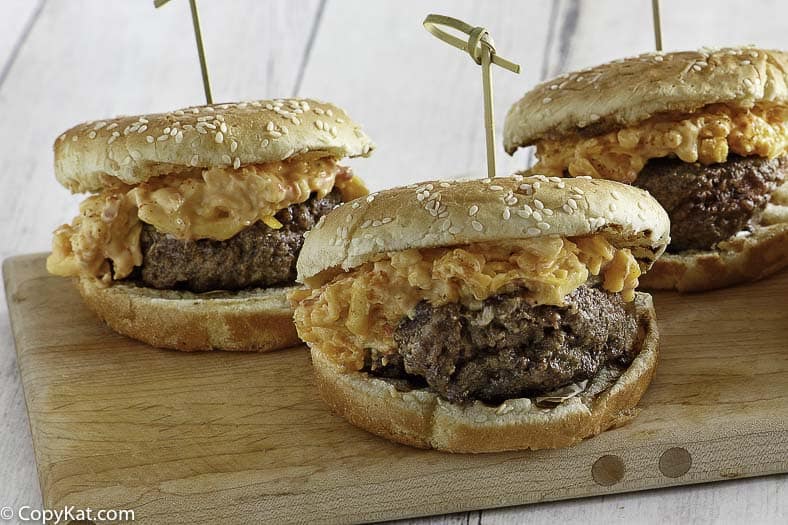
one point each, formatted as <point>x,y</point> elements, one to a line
<point>234,438</point>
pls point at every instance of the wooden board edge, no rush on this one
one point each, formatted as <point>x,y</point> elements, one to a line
<point>11,270</point>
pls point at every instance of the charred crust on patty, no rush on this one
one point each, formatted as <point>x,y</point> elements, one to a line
<point>258,256</point>
<point>709,204</point>
<point>507,348</point>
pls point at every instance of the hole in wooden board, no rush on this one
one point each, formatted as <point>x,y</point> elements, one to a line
<point>675,462</point>
<point>608,470</point>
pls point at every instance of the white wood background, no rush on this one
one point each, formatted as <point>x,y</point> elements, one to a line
<point>64,61</point>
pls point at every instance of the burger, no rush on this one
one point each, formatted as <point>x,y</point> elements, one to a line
<point>704,132</point>
<point>196,217</point>
<point>484,315</point>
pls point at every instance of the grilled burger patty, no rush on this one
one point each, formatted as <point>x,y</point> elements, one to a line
<point>258,256</point>
<point>708,204</point>
<point>508,348</point>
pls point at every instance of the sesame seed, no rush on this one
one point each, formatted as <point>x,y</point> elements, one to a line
<point>386,220</point>
<point>454,230</point>
<point>179,137</point>
<point>366,224</point>
<point>219,137</point>
<point>496,188</point>
<point>166,130</point>
<point>524,214</point>
<point>745,62</point>
<point>612,207</point>
<point>143,120</point>
<point>572,204</point>
<point>543,226</point>
<point>150,139</point>
<point>334,131</point>
<point>568,209</point>
<point>233,146</point>
<point>370,197</point>
<point>275,134</point>
<point>319,111</point>
<point>546,100</point>
<point>237,163</point>
<point>194,160</point>
<point>533,231</point>
<point>223,127</point>
<point>506,214</point>
<point>419,197</point>
<point>319,124</point>
<point>477,226</point>
<point>539,205</point>
<point>295,120</point>
<point>594,117</point>
<point>548,212</point>
<point>376,223</point>
<point>92,135</point>
<point>658,58</point>
<point>162,138</point>
<point>616,195</point>
<point>135,154</point>
<point>473,210</point>
<point>265,143</point>
<point>355,205</point>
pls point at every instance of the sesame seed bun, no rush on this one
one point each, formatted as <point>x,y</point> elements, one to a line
<point>420,418</point>
<point>624,92</point>
<point>134,149</point>
<point>448,213</point>
<point>250,320</point>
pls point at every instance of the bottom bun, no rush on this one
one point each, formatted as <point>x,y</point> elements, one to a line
<point>421,419</point>
<point>737,260</point>
<point>252,320</point>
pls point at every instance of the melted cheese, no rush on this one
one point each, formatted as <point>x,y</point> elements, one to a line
<point>212,204</point>
<point>360,310</point>
<point>707,136</point>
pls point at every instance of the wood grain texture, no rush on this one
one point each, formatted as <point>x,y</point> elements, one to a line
<point>85,59</point>
<point>418,98</point>
<point>220,436</point>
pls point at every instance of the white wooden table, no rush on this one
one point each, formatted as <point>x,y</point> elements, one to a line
<point>62,62</point>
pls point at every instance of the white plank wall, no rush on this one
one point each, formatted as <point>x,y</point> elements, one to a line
<point>62,62</point>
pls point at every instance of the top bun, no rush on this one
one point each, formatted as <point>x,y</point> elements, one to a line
<point>134,149</point>
<point>624,92</point>
<point>450,213</point>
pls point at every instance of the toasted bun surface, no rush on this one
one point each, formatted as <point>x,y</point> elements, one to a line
<point>449,213</point>
<point>134,149</point>
<point>254,320</point>
<point>625,92</point>
<point>737,260</point>
<point>420,418</point>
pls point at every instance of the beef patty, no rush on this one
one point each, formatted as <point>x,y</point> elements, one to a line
<point>258,256</point>
<point>708,204</point>
<point>509,348</point>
